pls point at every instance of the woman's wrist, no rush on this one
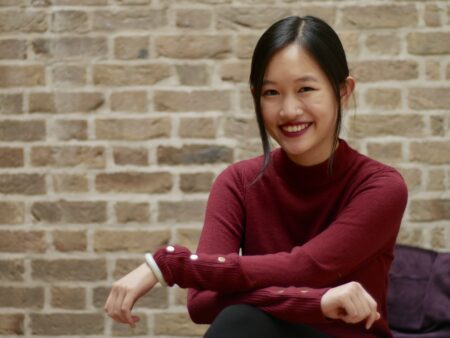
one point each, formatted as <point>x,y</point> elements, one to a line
<point>153,266</point>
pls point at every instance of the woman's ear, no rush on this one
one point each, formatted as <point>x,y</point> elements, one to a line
<point>347,89</point>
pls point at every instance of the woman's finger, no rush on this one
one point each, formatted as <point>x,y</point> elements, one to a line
<point>350,310</point>
<point>117,307</point>
<point>362,299</point>
<point>127,305</point>
<point>374,315</point>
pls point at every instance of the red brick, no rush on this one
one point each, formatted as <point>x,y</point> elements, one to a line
<point>132,129</point>
<point>70,130</point>
<point>238,127</point>
<point>385,125</point>
<point>22,76</point>
<point>69,212</point>
<point>412,176</point>
<point>428,43</point>
<point>429,98</point>
<point>79,2</point>
<point>69,75</point>
<point>12,270</point>
<point>70,21</point>
<point>384,70</point>
<point>189,237</point>
<point>71,183</point>
<point>22,241</point>
<point>196,182</point>
<point>235,71</point>
<point>21,21</point>
<point>245,45</point>
<point>194,154</point>
<point>130,241</point>
<point>130,75</point>
<point>12,324</point>
<point>68,156</point>
<point>70,47</point>
<point>202,127</point>
<point>130,156</point>
<point>193,46</point>
<point>91,270</point>
<point>195,100</point>
<point>67,241</point>
<point>193,75</point>
<point>423,210</point>
<point>129,19</point>
<point>68,298</point>
<point>11,157</point>
<point>13,49</point>
<point>55,324</point>
<point>135,101</point>
<point>177,324</point>
<point>61,102</point>
<point>432,15</point>
<point>379,16</point>
<point>30,130</point>
<point>248,17</point>
<point>139,329</point>
<point>22,297</point>
<point>127,212</point>
<point>181,211</point>
<point>134,182</point>
<point>23,184</point>
<point>431,152</point>
<point>131,47</point>
<point>12,212</point>
<point>11,104</point>
<point>193,18</point>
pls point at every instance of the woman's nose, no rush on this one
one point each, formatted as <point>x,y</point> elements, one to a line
<point>291,107</point>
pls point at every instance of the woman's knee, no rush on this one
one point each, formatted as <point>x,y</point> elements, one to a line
<point>242,321</point>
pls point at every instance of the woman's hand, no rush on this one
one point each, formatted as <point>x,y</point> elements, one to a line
<point>351,303</point>
<point>126,291</point>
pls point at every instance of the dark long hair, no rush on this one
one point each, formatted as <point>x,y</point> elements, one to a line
<point>323,45</point>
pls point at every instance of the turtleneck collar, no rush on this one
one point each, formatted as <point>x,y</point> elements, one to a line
<point>316,175</point>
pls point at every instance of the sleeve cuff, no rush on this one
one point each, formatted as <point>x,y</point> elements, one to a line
<point>155,269</point>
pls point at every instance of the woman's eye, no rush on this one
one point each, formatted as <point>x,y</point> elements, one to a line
<point>305,89</point>
<point>270,92</point>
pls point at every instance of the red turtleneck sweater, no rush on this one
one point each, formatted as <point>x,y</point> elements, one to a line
<point>300,232</point>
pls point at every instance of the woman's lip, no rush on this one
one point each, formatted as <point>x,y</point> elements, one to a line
<point>293,124</point>
<point>296,133</point>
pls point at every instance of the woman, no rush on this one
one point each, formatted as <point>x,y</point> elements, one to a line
<point>316,220</point>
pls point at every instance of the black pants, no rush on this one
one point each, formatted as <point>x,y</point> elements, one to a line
<point>245,321</point>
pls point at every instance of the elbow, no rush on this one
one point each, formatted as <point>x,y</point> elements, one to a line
<point>196,315</point>
<point>198,308</point>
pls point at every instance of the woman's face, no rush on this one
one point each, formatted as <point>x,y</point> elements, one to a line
<point>299,106</point>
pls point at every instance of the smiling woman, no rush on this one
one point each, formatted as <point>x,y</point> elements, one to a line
<point>298,111</point>
<point>315,220</point>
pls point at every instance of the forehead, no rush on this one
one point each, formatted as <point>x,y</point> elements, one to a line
<point>292,61</point>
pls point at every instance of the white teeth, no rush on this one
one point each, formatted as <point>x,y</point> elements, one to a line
<point>293,129</point>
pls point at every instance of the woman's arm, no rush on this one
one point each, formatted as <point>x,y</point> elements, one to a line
<point>301,305</point>
<point>364,228</point>
<point>348,302</point>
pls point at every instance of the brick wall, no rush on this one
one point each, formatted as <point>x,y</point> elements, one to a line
<point>116,115</point>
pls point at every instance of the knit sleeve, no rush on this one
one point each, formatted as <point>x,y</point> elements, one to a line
<point>363,229</point>
<point>296,305</point>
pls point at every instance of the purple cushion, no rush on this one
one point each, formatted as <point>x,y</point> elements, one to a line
<point>418,294</point>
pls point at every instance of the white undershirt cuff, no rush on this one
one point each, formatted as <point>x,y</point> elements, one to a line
<point>155,268</point>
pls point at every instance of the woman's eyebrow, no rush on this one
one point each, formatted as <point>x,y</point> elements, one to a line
<point>305,78</point>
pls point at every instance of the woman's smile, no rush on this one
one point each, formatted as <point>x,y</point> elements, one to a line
<point>295,129</point>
